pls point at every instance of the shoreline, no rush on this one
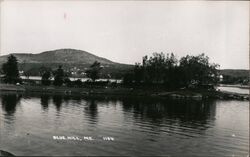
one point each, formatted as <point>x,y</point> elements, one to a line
<point>235,85</point>
<point>125,92</point>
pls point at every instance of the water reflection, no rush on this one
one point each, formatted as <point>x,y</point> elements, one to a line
<point>45,102</point>
<point>66,99</point>
<point>183,112</point>
<point>154,111</point>
<point>91,110</point>
<point>179,126</point>
<point>9,103</point>
<point>57,101</point>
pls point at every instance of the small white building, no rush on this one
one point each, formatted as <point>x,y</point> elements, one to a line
<point>221,77</point>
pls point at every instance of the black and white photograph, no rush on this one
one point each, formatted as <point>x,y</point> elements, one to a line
<point>124,78</point>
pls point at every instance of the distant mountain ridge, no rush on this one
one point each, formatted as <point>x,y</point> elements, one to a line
<point>59,56</point>
<point>70,59</point>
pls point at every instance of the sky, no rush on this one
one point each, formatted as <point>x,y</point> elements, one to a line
<point>125,31</point>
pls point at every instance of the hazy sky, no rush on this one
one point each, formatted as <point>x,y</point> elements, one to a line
<point>124,31</point>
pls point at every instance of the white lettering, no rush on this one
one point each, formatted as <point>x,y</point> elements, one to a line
<point>59,138</point>
<point>108,138</point>
<point>89,138</point>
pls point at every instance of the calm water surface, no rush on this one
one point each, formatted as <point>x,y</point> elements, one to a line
<point>138,126</point>
<point>234,89</point>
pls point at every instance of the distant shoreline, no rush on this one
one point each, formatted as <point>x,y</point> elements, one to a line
<point>125,92</point>
<point>236,85</point>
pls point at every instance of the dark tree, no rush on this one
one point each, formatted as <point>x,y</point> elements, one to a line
<point>10,70</point>
<point>128,78</point>
<point>46,76</point>
<point>154,70</point>
<point>197,70</point>
<point>59,76</point>
<point>94,71</point>
<point>78,83</point>
<point>68,82</point>
<point>166,71</point>
<point>138,73</point>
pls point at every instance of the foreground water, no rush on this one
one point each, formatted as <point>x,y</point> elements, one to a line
<point>122,126</point>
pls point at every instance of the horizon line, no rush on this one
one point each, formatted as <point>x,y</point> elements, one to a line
<point>106,58</point>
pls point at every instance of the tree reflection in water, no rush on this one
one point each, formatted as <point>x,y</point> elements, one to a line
<point>91,110</point>
<point>195,114</point>
<point>45,102</point>
<point>185,112</point>
<point>9,103</point>
<point>57,101</point>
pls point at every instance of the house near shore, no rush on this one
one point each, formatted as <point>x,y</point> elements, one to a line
<point>221,78</point>
<point>37,79</point>
<point>32,81</point>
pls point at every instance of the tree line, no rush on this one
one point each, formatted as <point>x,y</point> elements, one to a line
<point>12,76</point>
<point>158,70</point>
<point>168,72</point>
<point>60,77</point>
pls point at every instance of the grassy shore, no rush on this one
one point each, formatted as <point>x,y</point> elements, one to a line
<point>197,94</point>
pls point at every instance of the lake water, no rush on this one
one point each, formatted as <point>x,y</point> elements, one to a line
<point>124,126</point>
<point>234,89</point>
